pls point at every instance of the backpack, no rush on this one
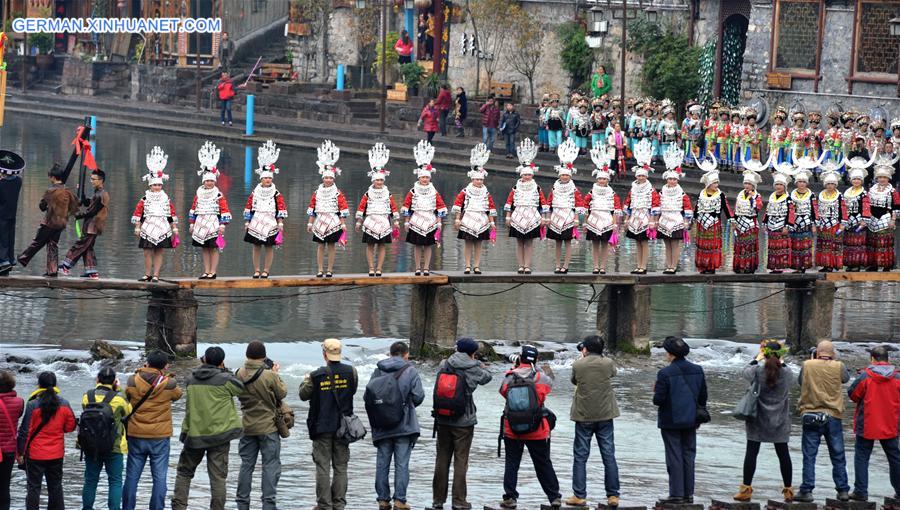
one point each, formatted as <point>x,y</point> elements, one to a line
<point>451,394</point>
<point>97,426</point>
<point>524,412</point>
<point>384,403</point>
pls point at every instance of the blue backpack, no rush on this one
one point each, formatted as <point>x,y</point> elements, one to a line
<point>524,412</point>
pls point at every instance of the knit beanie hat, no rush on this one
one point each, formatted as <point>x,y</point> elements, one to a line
<point>467,345</point>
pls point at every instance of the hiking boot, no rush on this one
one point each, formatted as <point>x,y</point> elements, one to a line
<point>612,501</point>
<point>788,493</point>
<point>384,505</point>
<point>509,503</point>
<point>804,497</point>
<point>744,494</point>
<point>400,505</point>
<point>855,496</point>
<point>576,501</point>
<point>843,496</point>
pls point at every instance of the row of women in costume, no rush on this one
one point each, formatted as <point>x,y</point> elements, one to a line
<point>855,228</point>
<point>730,133</point>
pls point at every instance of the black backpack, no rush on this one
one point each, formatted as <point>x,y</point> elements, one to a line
<point>451,394</point>
<point>384,403</point>
<point>523,411</point>
<point>97,426</point>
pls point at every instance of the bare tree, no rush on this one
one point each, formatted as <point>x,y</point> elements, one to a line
<point>495,24</point>
<point>318,14</point>
<point>528,47</point>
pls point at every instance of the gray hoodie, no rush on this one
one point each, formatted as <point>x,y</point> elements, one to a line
<point>475,375</point>
<point>411,387</point>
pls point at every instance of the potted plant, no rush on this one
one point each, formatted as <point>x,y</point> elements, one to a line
<point>411,74</point>
<point>433,84</point>
<point>43,43</point>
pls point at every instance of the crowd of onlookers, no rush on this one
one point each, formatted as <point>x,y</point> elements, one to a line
<point>120,431</point>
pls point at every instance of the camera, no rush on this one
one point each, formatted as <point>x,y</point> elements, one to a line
<point>513,358</point>
<point>269,363</point>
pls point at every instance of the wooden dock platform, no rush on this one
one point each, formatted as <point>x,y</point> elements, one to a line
<point>623,302</point>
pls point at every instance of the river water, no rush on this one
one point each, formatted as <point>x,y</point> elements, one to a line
<point>46,326</point>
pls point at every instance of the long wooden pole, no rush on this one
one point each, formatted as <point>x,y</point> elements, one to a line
<point>624,30</point>
<point>384,25</point>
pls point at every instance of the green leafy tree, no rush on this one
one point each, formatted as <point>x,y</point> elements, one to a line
<point>495,22</point>
<point>576,56</point>
<point>671,69</point>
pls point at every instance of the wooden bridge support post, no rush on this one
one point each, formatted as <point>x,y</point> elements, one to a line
<point>433,317</point>
<point>623,317</point>
<point>172,323</point>
<point>809,311</point>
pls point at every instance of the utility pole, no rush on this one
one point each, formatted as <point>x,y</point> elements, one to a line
<point>384,15</point>
<point>197,58</point>
<point>624,39</point>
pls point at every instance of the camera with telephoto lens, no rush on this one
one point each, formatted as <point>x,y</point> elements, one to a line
<point>269,363</point>
<point>513,358</point>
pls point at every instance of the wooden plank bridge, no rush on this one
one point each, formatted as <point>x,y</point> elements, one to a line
<point>623,304</point>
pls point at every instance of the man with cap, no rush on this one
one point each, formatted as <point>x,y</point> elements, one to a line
<point>679,392</point>
<point>329,390</point>
<point>11,166</point>
<point>821,408</point>
<point>58,204</point>
<point>263,392</point>
<point>455,431</point>
<point>593,410</point>
<point>876,392</point>
<point>210,423</point>
<point>527,375</point>
<point>106,390</point>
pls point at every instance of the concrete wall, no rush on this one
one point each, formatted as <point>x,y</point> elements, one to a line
<point>91,78</point>
<point>343,48</point>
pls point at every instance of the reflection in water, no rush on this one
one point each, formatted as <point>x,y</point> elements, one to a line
<point>527,313</point>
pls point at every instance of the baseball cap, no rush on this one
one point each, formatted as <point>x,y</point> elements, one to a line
<point>529,354</point>
<point>332,349</point>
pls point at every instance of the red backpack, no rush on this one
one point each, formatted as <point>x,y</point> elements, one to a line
<point>451,394</point>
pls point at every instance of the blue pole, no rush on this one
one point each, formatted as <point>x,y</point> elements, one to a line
<point>250,102</point>
<point>248,166</point>
<point>410,25</point>
<point>93,135</point>
<point>340,77</point>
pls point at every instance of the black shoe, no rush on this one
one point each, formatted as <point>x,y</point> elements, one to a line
<point>858,497</point>
<point>843,496</point>
<point>6,266</point>
<point>50,275</point>
<point>803,497</point>
<point>671,500</point>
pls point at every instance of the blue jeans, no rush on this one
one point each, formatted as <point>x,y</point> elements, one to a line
<point>510,143</point>
<point>139,450</point>
<point>400,449</point>
<point>861,463</point>
<point>269,446</point>
<point>226,107</point>
<point>581,450</point>
<point>813,430</point>
<point>114,464</point>
<point>681,455</point>
<point>488,136</point>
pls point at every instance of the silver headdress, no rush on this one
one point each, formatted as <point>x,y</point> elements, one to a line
<point>673,157</point>
<point>602,155</point>
<point>267,156</point>
<point>328,155</point>
<point>752,177</point>
<point>830,177</point>
<point>424,153</point>
<point>478,157</point>
<point>209,157</point>
<point>378,158</point>
<point>567,152</point>
<point>527,151</point>
<point>156,163</point>
<point>643,154</point>
<point>708,166</point>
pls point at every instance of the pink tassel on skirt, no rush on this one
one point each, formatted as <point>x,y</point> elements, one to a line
<point>220,242</point>
<point>279,239</point>
<point>343,239</point>
<point>687,237</point>
<point>395,233</point>
<point>614,237</point>
<point>576,235</point>
<point>493,236</point>
<point>651,234</point>
<point>175,241</point>
<point>437,235</point>
<point>543,232</point>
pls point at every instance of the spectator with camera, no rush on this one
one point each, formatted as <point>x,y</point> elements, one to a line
<point>260,401</point>
<point>330,390</point>
<point>821,408</point>
<point>876,392</point>
<point>527,423</point>
<point>210,423</point>
<point>454,420</point>
<point>593,410</point>
<point>151,391</point>
<point>680,393</point>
